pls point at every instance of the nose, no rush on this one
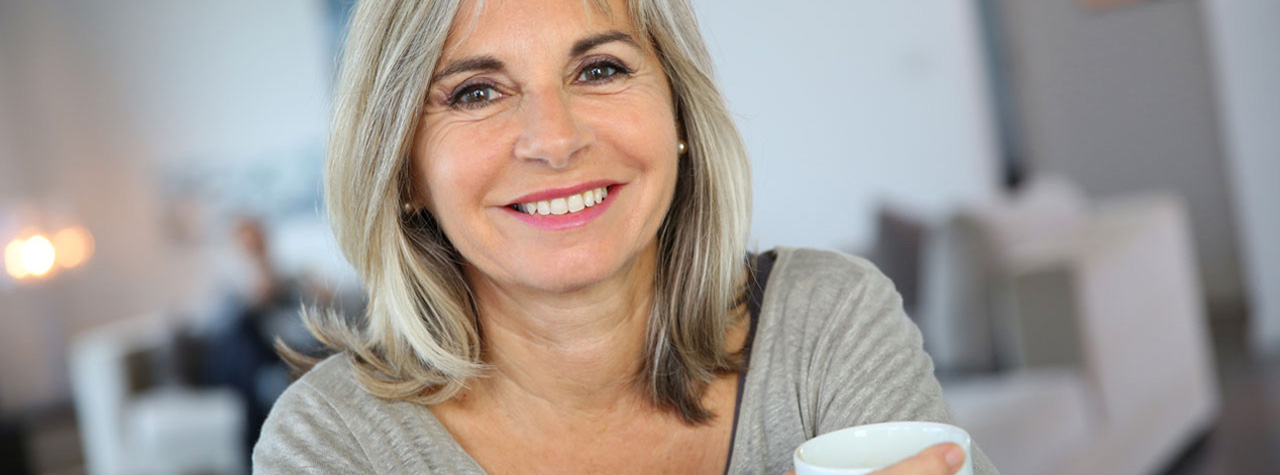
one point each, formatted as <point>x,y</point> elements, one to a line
<point>552,134</point>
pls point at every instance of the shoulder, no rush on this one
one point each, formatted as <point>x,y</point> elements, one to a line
<point>314,424</point>
<point>326,422</point>
<point>333,376</point>
<point>824,287</point>
<point>832,268</point>
<point>834,314</point>
<point>833,349</point>
<point>329,389</point>
<point>835,319</point>
<point>838,327</point>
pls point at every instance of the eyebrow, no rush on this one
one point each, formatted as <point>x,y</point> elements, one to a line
<point>586,44</point>
<point>474,63</point>
<point>490,63</point>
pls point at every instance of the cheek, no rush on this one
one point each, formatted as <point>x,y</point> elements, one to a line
<point>451,177</point>
<point>641,129</point>
<point>454,168</point>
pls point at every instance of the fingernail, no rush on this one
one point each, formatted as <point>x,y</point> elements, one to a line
<point>955,455</point>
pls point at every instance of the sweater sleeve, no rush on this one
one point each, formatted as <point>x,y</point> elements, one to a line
<point>869,363</point>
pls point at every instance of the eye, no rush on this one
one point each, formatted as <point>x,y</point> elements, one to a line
<point>474,95</point>
<point>602,71</point>
<point>597,73</point>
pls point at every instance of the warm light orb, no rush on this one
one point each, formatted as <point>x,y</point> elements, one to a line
<point>13,259</point>
<point>72,246</point>
<point>37,255</point>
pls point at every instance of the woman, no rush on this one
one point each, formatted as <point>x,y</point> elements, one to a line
<point>548,204</point>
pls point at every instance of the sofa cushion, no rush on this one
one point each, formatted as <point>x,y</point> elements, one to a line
<point>964,315</point>
<point>1026,421</point>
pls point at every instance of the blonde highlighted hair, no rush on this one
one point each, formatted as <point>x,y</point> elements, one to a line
<point>419,339</point>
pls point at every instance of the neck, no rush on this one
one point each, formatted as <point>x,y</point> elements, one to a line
<point>578,352</point>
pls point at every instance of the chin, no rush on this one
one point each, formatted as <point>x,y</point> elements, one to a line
<point>574,272</point>
<point>575,269</point>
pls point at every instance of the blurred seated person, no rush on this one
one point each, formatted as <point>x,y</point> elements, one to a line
<point>260,307</point>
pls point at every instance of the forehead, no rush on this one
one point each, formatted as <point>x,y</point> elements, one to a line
<point>485,24</point>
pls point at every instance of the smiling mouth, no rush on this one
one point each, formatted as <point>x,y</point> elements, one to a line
<point>566,204</point>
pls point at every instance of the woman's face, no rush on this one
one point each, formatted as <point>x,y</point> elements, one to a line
<point>537,110</point>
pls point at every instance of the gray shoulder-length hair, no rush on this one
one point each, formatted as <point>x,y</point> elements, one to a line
<point>419,339</point>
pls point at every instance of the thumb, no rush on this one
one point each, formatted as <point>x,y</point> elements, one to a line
<point>941,459</point>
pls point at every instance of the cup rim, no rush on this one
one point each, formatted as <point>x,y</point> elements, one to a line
<point>918,424</point>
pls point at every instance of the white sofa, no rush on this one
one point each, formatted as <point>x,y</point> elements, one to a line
<point>131,427</point>
<point>1093,316</point>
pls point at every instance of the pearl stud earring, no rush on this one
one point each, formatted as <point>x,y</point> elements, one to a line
<point>682,147</point>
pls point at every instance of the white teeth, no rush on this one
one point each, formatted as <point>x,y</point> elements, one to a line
<point>558,206</point>
<point>568,204</point>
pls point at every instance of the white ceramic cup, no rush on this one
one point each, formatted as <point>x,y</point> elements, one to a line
<point>864,449</point>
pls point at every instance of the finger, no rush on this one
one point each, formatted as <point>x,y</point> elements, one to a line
<point>941,459</point>
<point>792,472</point>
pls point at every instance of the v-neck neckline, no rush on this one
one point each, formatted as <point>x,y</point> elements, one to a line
<point>755,304</point>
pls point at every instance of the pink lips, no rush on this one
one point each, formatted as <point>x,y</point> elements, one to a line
<point>554,193</point>
<point>552,222</point>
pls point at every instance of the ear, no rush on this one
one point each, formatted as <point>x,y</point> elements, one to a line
<point>412,197</point>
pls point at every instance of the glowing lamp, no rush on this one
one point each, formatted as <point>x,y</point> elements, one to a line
<point>72,247</point>
<point>13,259</point>
<point>37,255</point>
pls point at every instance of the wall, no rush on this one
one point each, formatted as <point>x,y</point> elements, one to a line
<point>844,105</point>
<point>222,80</point>
<point>8,146</point>
<point>1122,100</point>
<point>66,159</point>
<point>97,97</point>
<point>1244,35</point>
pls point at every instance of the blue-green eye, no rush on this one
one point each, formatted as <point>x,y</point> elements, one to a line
<point>597,73</point>
<point>602,71</point>
<point>474,95</point>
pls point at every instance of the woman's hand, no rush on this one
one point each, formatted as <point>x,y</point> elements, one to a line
<point>941,459</point>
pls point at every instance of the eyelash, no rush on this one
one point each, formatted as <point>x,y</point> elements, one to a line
<point>617,66</point>
<point>456,98</point>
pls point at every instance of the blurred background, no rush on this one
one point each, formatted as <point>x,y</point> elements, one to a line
<point>1076,199</point>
